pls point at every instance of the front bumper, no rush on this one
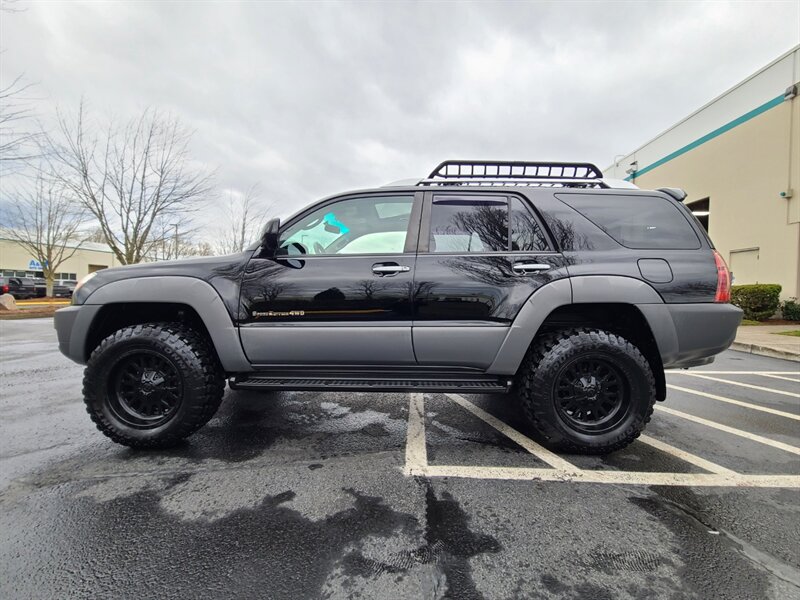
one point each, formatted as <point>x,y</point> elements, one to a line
<point>72,327</point>
<point>689,335</point>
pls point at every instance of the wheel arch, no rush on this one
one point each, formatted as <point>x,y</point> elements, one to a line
<point>606,302</point>
<point>164,298</point>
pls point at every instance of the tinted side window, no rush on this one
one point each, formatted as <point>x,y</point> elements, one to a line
<point>370,225</point>
<point>469,224</point>
<point>526,235</point>
<point>640,222</point>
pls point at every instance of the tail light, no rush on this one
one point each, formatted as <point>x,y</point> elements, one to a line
<point>723,279</point>
<point>5,289</point>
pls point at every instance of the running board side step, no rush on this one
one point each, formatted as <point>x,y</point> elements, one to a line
<point>471,385</point>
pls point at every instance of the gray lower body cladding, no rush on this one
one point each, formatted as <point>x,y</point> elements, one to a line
<point>72,328</point>
<point>73,323</point>
<point>689,334</point>
<point>686,334</point>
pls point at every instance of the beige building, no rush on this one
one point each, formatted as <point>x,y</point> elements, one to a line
<point>738,158</point>
<point>17,261</point>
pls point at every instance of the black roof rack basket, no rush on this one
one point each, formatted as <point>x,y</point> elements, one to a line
<point>523,173</point>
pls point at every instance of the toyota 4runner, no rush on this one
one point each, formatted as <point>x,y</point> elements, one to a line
<point>543,280</point>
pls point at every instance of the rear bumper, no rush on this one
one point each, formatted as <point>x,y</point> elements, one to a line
<point>691,334</point>
<point>72,327</point>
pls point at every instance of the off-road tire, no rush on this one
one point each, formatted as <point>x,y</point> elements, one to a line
<point>549,355</point>
<point>203,382</point>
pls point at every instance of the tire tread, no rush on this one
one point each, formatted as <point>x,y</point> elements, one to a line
<point>554,346</point>
<point>192,347</point>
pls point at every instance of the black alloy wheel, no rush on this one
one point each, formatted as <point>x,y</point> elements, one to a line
<point>145,389</point>
<point>586,390</point>
<point>153,384</point>
<point>591,395</point>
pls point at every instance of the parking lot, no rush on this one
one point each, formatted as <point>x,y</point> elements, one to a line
<point>354,495</point>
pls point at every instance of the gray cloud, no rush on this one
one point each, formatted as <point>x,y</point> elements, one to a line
<point>314,98</point>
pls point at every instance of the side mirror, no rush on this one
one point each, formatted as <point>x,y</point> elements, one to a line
<point>269,239</point>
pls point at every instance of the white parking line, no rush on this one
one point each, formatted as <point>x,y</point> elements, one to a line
<point>750,436</point>
<point>765,409</point>
<point>540,452</point>
<point>704,372</point>
<point>746,385</point>
<point>615,477</point>
<point>685,456</point>
<point>773,376</point>
<point>564,471</point>
<point>416,450</point>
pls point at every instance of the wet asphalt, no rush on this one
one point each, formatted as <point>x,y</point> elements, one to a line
<point>302,495</point>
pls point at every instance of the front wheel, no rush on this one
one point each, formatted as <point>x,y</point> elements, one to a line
<point>586,390</point>
<point>151,385</point>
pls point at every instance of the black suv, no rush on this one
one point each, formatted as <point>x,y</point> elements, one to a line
<point>541,279</point>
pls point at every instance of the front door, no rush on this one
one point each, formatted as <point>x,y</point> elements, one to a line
<point>339,289</point>
<point>481,256</point>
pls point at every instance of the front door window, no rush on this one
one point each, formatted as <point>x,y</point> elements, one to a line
<point>374,225</point>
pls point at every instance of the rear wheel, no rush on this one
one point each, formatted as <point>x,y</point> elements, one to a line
<point>586,390</point>
<point>151,385</point>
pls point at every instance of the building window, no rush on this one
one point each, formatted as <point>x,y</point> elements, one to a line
<point>700,209</point>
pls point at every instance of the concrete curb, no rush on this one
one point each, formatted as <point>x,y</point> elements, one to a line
<point>766,351</point>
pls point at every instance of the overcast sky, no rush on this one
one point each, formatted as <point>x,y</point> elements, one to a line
<point>309,99</point>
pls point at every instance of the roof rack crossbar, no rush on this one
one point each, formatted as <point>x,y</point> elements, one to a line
<point>561,174</point>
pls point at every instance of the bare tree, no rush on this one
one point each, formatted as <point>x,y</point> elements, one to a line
<point>200,249</point>
<point>95,235</point>
<point>46,222</point>
<point>17,141</point>
<point>244,218</point>
<point>133,179</point>
<point>368,288</point>
<point>168,246</point>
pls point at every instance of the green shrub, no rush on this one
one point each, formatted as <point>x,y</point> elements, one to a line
<point>759,301</point>
<point>791,310</point>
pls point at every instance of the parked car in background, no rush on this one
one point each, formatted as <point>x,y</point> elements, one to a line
<point>19,287</point>
<point>62,288</point>
<point>40,287</point>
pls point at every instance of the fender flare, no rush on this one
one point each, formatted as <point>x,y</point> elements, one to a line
<point>588,289</point>
<point>173,289</point>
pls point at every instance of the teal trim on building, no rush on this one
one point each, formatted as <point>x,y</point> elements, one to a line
<point>710,136</point>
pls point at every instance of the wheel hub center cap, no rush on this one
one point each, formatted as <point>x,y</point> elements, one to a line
<point>589,387</point>
<point>151,380</point>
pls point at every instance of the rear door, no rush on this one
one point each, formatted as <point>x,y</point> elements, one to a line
<point>481,256</point>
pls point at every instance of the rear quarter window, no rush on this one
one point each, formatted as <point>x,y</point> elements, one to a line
<point>638,222</point>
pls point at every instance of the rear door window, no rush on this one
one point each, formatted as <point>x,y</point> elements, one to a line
<point>638,222</point>
<point>469,224</point>
<point>463,224</point>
